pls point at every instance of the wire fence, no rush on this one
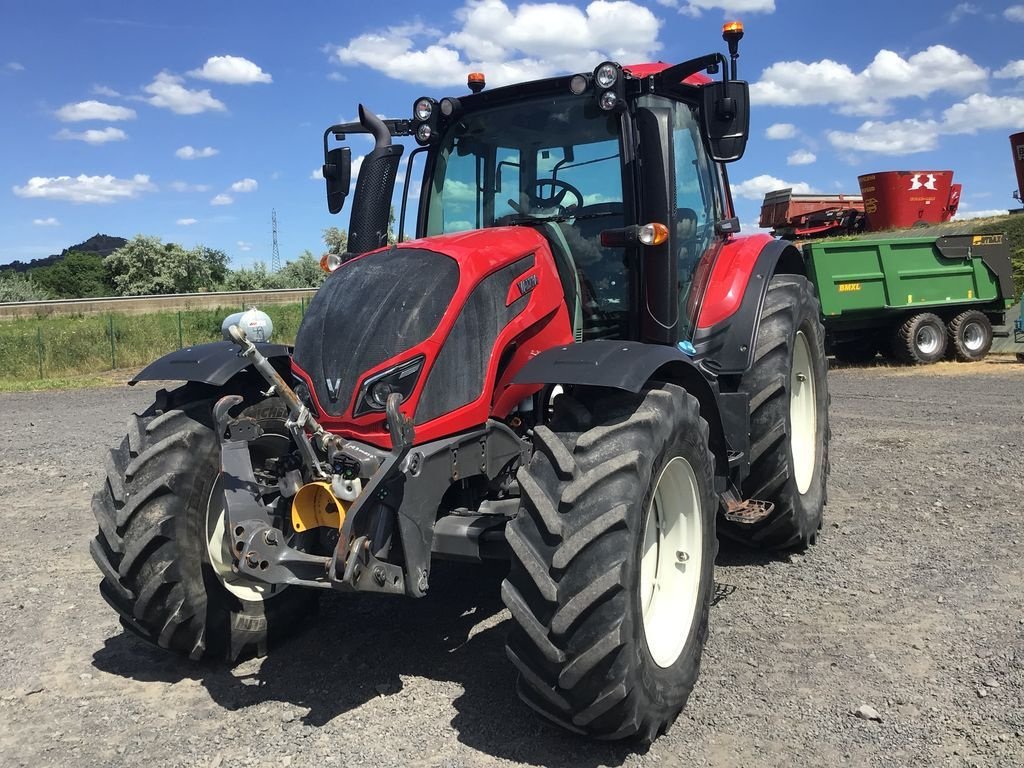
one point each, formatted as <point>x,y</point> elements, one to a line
<point>82,345</point>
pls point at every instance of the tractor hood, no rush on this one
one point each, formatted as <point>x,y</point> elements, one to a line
<point>421,316</point>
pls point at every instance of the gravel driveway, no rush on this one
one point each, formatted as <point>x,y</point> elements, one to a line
<point>912,603</point>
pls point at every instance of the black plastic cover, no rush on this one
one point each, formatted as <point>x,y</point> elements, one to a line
<point>457,376</point>
<point>367,311</point>
<point>212,363</point>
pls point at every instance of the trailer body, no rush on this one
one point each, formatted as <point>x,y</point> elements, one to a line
<point>871,285</point>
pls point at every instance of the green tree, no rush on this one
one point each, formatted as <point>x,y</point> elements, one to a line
<point>76,276</point>
<point>254,278</point>
<point>147,265</point>
<point>15,286</point>
<point>303,272</point>
<point>336,240</point>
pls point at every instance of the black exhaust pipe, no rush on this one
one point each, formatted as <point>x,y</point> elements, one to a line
<point>371,208</point>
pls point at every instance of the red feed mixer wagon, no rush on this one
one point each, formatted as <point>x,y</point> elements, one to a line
<point>888,200</point>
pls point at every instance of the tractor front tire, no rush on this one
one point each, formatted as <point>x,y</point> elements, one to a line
<point>160,528</point>
<point>613,556</point>
<point>787,387</point>
<point>920,340</point>
<point>970,336</point>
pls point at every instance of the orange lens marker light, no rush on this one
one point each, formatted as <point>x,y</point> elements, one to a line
<point>475,81</point>
<point>732,28</point>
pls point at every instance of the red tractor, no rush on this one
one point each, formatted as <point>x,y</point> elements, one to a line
<point>576,365</point>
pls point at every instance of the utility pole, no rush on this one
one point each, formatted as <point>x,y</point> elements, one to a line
<point>275,257</point>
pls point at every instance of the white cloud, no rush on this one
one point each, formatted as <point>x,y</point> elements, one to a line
<point>244,246</point>
<point>245,185</point>
<point>801,157</point>
<point>93,110</point>
<point>960,10</point>
<point>509,44</point>
<point>167,91</point>
<point>222,199</point>
<point>729,7</point>
<point>1015,13</point>
<point>188,152</point>
<point>103,90</point>
<point>904,137</point>
<point>757,187</point>
<point>85,189</point>
<point>233,70</point>
<point>317,174</point>
<point>889,76</point>
<point>49,221</point>
<point>981,112</point>
<point>186,222</point>
<point>1011,70</point>
<point>93,135</point>
<point>779,131</point>
<point>184,186</point>
<point>14,66</point>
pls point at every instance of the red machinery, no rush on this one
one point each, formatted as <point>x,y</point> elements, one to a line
<point>794,216</point>
<point>888,200</point>
<point>1017,144</point>
<point>902,199</point>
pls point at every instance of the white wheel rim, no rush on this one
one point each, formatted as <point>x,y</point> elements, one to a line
<point>974,337</point>
<point>671,562</point>
<point>927,340</point>
<point>803,414</point>
<point>219,554</point>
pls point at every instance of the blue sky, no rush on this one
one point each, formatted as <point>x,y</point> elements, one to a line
<point>192,120</point>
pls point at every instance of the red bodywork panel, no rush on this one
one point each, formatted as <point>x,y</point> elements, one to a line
<point>730,273</point>
<point>541,324</point>
<point>646,70</point>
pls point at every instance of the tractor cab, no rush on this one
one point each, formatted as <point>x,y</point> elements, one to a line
<point>621,170</point>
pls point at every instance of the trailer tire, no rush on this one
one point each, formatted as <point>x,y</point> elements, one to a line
<point>600,650</point>
<point>920,340</point>
<point>790,344</point>
<point>153,546</point>
<point>970,336</point>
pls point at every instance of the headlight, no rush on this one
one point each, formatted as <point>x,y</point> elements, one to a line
<point>608,100</point>
<point>606,74</point>
<point>375,390</point>
<point>578,84</point>
<point>449,106</point>
<point>423,109</point>
<point>423,134</point>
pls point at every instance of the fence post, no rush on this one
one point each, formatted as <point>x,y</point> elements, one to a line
<point>113,353</point>
<point>181,342</point>
<point>302,299</point>
<point>39,348</point>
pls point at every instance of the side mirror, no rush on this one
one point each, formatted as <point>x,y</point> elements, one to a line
<point>337,173</point>
<point>725,112</point>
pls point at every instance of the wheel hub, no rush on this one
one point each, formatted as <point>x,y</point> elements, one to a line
<point>670,567</point>
<point>803,414</point>
<point>974,337</point>
<point>927,340</point>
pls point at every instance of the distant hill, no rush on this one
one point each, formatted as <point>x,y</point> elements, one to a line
<point>104,245</point>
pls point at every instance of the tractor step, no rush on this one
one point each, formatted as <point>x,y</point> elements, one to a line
<point>748,512</point>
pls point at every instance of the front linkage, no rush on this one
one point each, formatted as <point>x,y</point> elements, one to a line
<point>400,500</point>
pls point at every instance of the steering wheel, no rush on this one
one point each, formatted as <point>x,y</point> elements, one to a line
<point>536,202</point>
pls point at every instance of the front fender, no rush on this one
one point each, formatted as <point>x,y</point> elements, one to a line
<point>213,363</point>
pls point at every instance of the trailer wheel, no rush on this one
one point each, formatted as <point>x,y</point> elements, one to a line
<point>160,544</point>
<point>920,340</point>
<point>970,336</point>
<point>613,556</point>
<point>789,430</point>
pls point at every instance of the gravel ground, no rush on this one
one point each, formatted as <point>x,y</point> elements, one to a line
<point>912,603</point>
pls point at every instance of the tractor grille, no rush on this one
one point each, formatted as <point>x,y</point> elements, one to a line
<point>368,311</point>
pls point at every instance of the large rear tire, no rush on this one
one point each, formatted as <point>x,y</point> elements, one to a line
<point>160,547</point>
<point>612,562</point>
<point>787,386</point>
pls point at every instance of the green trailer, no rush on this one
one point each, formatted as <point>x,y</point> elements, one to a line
<point>912,295</point>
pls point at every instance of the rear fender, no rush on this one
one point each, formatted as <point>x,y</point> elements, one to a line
<point>631,365</point>
<point>731,309</point>
<point>215,363</point>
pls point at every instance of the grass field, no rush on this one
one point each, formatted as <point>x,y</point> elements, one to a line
<point>49,350</point>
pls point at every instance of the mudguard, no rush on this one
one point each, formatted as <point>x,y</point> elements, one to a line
<point>731,309</point>
<point>213,363</point>
<point>629,365</point>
